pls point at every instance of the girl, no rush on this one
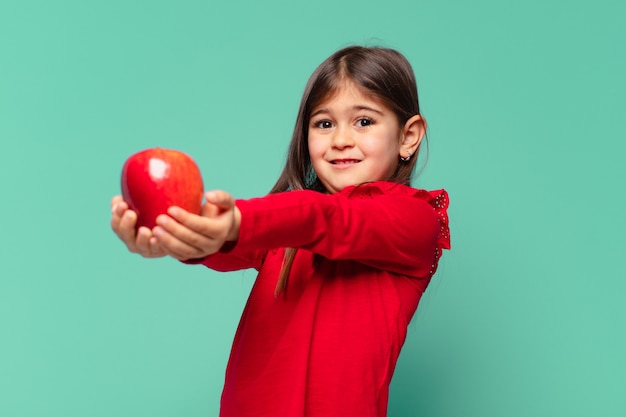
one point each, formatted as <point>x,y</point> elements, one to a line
<point>343,245</point>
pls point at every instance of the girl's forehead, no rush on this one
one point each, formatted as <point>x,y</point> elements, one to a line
<point>347,88</point>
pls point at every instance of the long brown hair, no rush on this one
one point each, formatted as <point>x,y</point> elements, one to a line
<point>381,72</point>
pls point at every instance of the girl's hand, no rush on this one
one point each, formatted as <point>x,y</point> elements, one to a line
<point>123,224</point>
<point>185,236</point>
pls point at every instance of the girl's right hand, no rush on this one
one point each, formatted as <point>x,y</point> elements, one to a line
<point>123,222</point>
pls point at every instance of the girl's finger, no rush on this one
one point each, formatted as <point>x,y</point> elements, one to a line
<point>175,247</point>
<point>118,206</point>
<point>221,199</point>
<point>142,243</point>
<point>187,229</point>
<point>126,228</point>
<point>147,245</point>
<point>195,230</point>
<point>116,199</point>
<point>155,248</point>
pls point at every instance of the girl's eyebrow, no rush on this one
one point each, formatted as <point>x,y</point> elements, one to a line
<point>363,107</point>
<point>357,107</point>
<point>318,111</point>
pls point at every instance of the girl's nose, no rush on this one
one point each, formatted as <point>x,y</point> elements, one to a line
<point>342,138</point>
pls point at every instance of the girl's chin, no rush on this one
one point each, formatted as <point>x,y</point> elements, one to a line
<point>339,186</point>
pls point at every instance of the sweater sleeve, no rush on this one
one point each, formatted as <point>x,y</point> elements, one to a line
<point>231,258</point>
<point>384,225</point>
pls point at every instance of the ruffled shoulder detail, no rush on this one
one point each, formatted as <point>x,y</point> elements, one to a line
<point>439,200</point>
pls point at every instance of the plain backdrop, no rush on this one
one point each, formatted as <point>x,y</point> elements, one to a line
<point>525,104</point>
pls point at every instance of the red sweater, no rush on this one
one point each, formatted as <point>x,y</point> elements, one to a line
<point>329,344</point>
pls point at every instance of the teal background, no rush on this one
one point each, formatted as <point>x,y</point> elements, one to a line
<point>525,104</point>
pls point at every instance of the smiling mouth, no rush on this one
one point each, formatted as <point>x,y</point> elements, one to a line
<point>344,161</point>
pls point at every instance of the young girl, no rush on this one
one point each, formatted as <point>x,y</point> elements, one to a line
<point>343,245</point>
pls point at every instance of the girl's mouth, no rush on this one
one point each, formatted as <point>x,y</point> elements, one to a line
<point>344,161</point>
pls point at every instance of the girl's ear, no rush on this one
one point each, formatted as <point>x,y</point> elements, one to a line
<point>412,135</point>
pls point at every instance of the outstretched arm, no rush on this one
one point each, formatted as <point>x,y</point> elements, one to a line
<point>384,225</point>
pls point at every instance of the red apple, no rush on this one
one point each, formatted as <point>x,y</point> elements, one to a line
<point>155,179</point>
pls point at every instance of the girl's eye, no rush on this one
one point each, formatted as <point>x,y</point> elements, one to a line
<point>364,122</point>
<point>324,124</point>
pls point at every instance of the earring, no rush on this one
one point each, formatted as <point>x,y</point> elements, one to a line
<point>406,158</point>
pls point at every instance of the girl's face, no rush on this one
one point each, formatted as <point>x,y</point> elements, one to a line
<point>353,139</point>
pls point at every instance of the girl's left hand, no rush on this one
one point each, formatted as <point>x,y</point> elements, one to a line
<point>185,236</point>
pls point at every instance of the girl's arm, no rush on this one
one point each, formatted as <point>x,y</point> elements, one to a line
<point>384,225</point>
